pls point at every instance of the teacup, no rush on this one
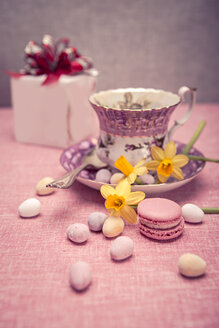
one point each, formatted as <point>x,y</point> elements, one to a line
<point>134,119</point>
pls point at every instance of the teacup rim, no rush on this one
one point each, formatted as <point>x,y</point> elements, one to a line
<point>140,89</point>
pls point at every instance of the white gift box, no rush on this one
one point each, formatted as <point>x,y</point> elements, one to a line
<point>57,114</point>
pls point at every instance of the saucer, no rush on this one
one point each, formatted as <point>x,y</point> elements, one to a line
<point>71,158</point>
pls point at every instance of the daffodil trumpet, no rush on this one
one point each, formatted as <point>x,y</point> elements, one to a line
<point>129,171</point>
<point>118,200</point>
<point>166,162</point>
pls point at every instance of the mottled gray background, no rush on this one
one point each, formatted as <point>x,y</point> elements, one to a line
<point>140,43</point>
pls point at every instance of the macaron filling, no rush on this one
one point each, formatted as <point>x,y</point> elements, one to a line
<point>159,224</point>
<point>160,234</point>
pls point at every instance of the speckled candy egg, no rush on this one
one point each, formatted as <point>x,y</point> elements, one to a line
<point>192,213</point>
<point>80,275</point>
<point>103,176</point>
<point>96,220</point>
<point>78,232</point>
<point>29,208</point>
<point>121,248</point>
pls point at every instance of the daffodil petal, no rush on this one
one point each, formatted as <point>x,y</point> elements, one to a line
<point>114,212</point>
<point>139,164</point>
<point>157,153</point>
<point>162,178</point>
<point>123,188</point>
<point>141,170</point>
<point>180,160</point>
<point>170,150</point>
<point>107,190</point>
<point>128,214</point>
<point>131,178</point>
<point>134,198</point>
<point>177,173</point>
<point>152,165</point>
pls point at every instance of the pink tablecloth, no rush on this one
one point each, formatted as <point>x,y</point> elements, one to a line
<point>144,291</point>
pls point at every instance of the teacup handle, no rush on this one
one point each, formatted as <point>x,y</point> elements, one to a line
<point>182,91</point>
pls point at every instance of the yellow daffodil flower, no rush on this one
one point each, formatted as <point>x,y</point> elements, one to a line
<point>166,162</point>
<point>130,172</point>
<point>118,200</point>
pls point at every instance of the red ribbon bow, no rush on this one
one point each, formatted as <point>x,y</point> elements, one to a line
<point>53,59</point>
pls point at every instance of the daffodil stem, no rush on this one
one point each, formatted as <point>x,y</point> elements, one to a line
<point>194,137</point>
<point>204,159</point>
<point>210,210</point>
<point>206,210</point>
<point>138,181</point>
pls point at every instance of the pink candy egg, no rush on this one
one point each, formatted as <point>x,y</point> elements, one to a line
<point>103,175</point>
<point>96,220</point>
<point>121,248</point>
<point>80,275</point>
<point>78,232</point>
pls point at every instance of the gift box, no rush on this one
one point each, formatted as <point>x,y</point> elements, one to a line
<point>54,115</point>
<point>50,96</point>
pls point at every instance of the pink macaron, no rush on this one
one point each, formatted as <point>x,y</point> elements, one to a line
<point>160,218</point>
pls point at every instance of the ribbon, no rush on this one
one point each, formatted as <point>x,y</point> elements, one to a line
<point>53,59</point>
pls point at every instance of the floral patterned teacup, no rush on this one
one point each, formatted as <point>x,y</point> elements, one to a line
<point>134,119</point>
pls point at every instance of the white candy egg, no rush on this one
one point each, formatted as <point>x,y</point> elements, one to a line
<point>192,213</point>
<point>29,208</point>
<point>121,248</point>
<point>116,177</point>
<point>80,275</point>
<point>191,265</point>
<point>96,220</point>
<point>147,179</point>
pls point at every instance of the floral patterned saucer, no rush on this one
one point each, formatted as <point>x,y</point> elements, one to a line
<point>72,157</point>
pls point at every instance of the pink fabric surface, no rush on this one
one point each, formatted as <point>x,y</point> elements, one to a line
<point>144,291</point>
